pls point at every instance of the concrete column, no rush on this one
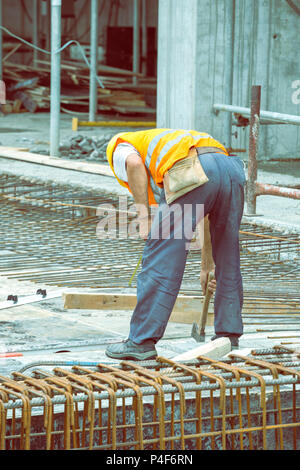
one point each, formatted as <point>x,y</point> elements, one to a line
<point>176,68</point>
<point>93,61</point>
<point>194,64</point>
<point>55,77</point>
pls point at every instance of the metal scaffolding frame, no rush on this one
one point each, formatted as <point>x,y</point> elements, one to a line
<point>255,188</point>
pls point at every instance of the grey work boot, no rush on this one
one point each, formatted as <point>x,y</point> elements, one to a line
<point>130,350</point>
<point>234,340</point>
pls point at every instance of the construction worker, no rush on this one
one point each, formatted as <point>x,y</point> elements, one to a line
<point>186,170</point>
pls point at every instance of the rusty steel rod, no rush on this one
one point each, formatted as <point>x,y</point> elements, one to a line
<point>253,149</point>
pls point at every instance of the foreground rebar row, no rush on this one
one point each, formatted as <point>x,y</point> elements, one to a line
<point>238,403</point>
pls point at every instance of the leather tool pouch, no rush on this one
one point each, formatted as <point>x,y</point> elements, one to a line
<point>184,176</point>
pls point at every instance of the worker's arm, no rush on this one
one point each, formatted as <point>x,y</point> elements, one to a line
<point>138,183</point>
<point>207,261</point>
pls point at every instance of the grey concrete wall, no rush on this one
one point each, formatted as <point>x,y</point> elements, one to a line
<point>213,51</point>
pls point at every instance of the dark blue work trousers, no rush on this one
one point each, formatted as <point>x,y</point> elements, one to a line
<point>164,257</point>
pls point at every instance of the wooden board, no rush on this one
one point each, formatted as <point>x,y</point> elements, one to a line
<point>186,310</point>
<point>19,154</point>
<point>212,349</point>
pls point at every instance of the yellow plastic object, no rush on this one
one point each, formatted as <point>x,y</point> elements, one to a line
<point>76,123</point>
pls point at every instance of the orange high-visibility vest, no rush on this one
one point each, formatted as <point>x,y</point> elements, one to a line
<point>160,149</point>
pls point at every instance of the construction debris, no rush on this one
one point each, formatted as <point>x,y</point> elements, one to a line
<point>28,89</point>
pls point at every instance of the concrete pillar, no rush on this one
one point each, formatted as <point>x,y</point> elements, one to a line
<point>194,64</point>
<point>176,68</point>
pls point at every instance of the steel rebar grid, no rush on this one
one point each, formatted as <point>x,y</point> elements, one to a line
<point>60,245</point>
<point>236,404</point>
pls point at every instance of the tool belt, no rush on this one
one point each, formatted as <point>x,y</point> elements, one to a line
<point>186,174</point>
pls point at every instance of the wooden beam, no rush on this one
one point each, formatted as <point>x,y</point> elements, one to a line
<point>212,349</point>
<point>186,310</point>
<point>21,155</point>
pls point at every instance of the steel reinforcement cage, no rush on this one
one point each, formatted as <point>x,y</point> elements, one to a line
<point>238,403</point>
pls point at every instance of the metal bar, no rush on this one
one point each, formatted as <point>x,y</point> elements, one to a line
<point>55,77</point>
<point>144,37</point>
<point>272,190</point>
<point>253,146</point>
<point>1,45</point>
<point>93,103</point>
<point>272,116</point>
<point>136,40</point>
<point>35,29</point>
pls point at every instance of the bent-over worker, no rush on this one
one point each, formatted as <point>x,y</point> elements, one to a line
<point>183,169</point>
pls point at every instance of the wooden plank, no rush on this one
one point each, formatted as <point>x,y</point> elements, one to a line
<point>85,167</point>
<point>212,349</point>
<point>186,310</point>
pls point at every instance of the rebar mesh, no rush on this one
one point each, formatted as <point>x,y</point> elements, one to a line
<point>49,234</point>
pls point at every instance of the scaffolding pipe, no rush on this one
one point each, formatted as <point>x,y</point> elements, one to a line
<point>266,115</point>
<point>263,189</point>
<point>144,37</point>
<point>136,40</point>
<point>35,29</point>
<point>1,71</point>
<point>93,105</point>
<point>55,77</point>
<point>253,147</point>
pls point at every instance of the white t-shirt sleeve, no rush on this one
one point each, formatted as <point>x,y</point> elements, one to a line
<point>120,155</point>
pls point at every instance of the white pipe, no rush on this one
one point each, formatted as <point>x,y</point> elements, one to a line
<point>268,115</point>
<point>144,37</point>
<point>55,77</point>
<point>93,104</point>
<point>1,71</point>
<point>35,30</point>
<point>136,39</point>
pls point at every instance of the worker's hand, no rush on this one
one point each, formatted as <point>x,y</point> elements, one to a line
<point>212,284</point>
<point>144,227</point>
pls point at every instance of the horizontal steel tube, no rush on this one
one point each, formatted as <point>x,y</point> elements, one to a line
<point>272,116</point>
<point>271,190</point>
<point>61,399</point>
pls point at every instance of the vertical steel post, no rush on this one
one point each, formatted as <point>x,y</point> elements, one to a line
<point>230,19</point>
<point>1,71</point>
<point>93,105</point>
<point>35,29</point>
<point>136,39</point>
<point>253,148</point>
<point>55,77</point>
<point>144,37</point>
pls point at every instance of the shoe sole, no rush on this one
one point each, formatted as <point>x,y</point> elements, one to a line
<point>134,357</point>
